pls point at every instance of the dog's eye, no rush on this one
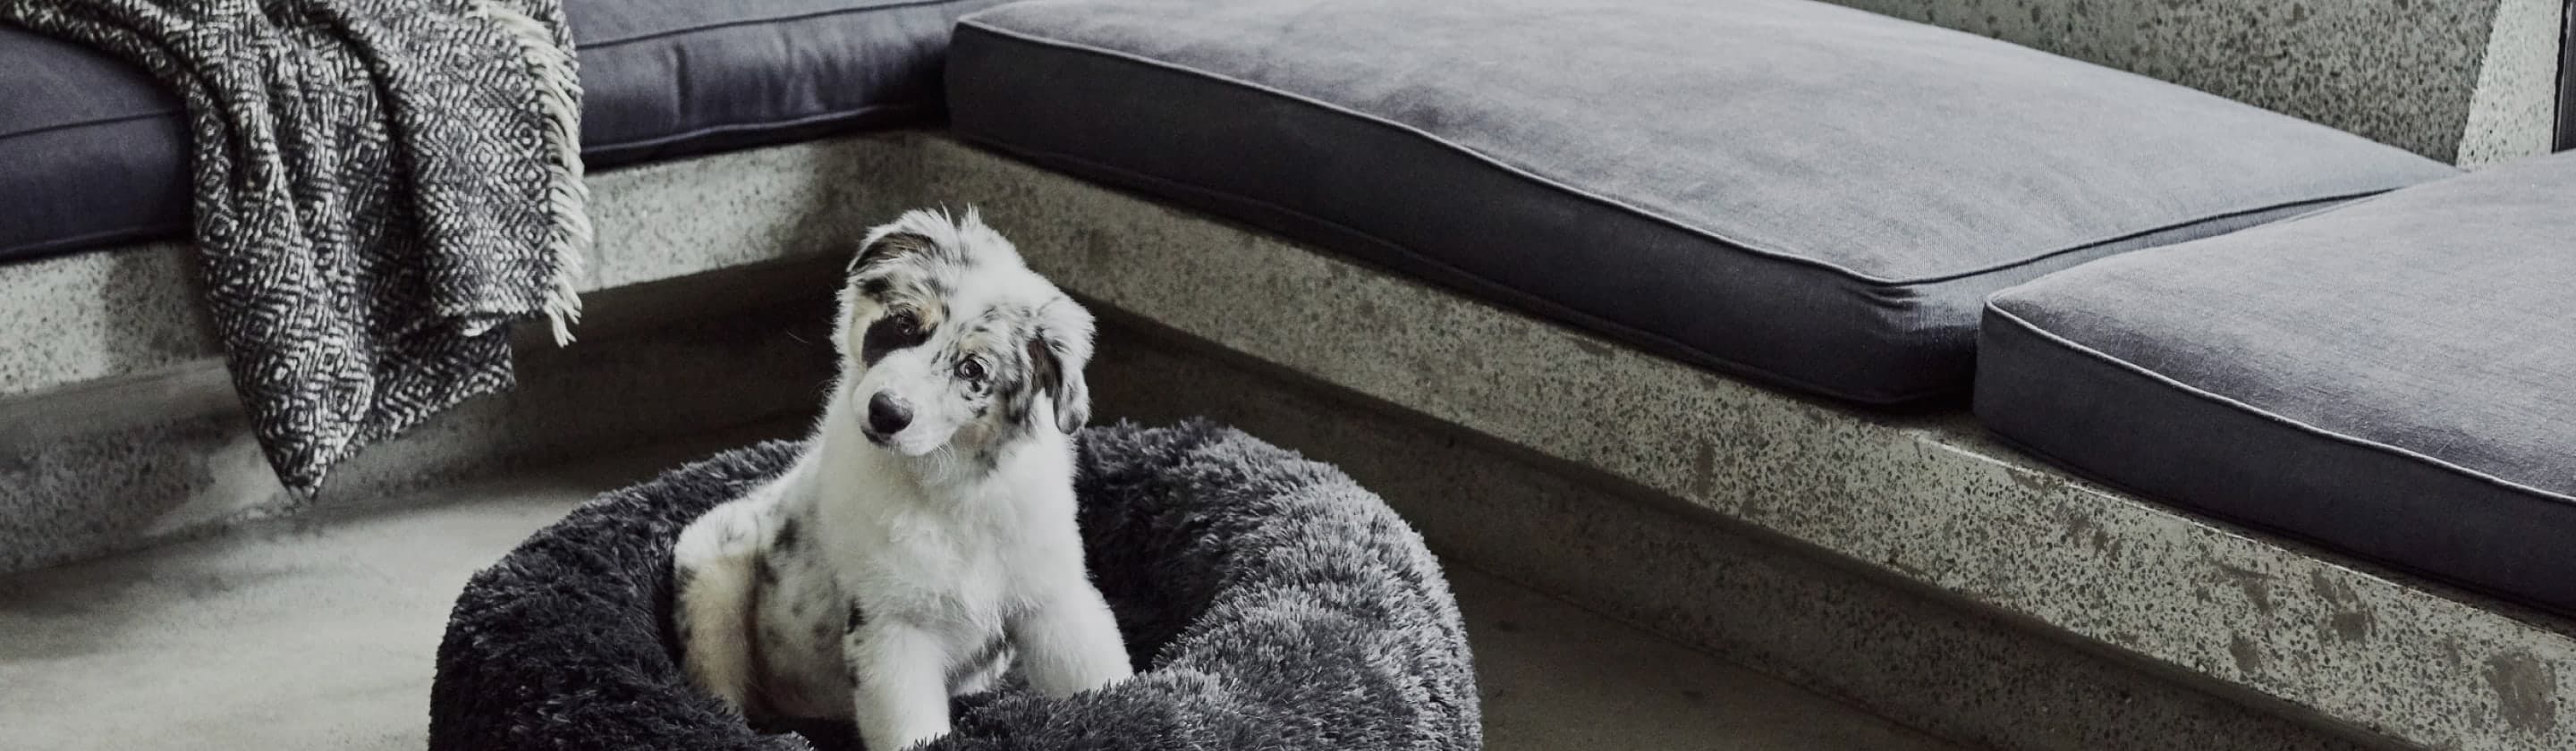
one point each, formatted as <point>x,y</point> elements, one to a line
<point>905,323</point>
<point>971,369</point>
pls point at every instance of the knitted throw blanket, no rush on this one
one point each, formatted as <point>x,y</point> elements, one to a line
<point>381,186</point>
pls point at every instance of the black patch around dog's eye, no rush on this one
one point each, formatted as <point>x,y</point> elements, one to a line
<point>891,333</point>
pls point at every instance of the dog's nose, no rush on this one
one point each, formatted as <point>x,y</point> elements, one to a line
<point>888,415</point>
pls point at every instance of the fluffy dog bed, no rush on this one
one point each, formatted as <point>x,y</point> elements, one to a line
<point>1268,602</point>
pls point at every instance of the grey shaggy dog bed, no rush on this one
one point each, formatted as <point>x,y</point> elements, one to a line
<point>1268,602</point>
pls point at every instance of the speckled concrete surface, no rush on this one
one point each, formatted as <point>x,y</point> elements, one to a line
<point>319,633</point>
<point>2402,72</point>
<point>77,319</point>
<point>73,319</point>
<point>1775,605</point>
<point>1930,499</point>
<point>120,465</point>
<point>2513,112</point>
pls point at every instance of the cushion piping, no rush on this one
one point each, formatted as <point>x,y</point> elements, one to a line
<point>751,127</point>
<point>762,21</point>
<point>2204,394</point>
<point>94,242</point>
<point>975,24</point>
<point>1510,297</point>
<point>88,123</point>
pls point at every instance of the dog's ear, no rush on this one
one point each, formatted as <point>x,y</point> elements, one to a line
<point>1057,354</point>
<point>889,243</point>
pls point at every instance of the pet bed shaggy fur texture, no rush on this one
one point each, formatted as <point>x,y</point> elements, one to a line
<point>1268,602</point>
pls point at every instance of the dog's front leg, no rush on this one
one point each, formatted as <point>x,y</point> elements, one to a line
<point>1071,644</point>
<point>902,690</point>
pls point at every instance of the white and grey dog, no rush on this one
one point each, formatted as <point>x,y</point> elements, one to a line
<point>924,543</point>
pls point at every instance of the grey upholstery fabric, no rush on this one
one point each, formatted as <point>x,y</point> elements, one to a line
<point>1805,193</point>
<point>674,77</point>
<point>2396,378</point>
<point>96,152</point>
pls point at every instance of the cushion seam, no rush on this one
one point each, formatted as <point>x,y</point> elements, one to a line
<point>746,127</point>
<point>94,242</point>
<point>973,23</point>
<point>1581,318</point>
<point>87,123</point>
<point>1998,310</point>
<point>762,22</point>
<point>2210,219</point>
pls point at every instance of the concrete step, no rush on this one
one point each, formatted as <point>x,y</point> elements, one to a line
<point>137,460</point>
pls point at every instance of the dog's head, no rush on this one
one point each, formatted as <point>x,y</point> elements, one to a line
<point>948,340</point>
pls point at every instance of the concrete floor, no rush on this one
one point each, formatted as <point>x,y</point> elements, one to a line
<point>318,633</point>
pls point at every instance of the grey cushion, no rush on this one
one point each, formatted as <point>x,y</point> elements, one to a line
<point>92,152</point>
<point>2396,378</point>
<point>665,78</point>
<point>1813,195</point>
<point>96,152</point>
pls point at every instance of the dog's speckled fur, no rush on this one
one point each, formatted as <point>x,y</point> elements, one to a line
<point>925,542</point>
<point>1270,601</point>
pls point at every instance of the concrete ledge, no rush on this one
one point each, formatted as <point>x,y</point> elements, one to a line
<point>88,317</point>
<point>126,463</point>
<point>1928,498</point>
<point>1883,643</point>
<point>2463,81</point>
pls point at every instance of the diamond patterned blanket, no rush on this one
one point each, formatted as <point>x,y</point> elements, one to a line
<point>381,188</point>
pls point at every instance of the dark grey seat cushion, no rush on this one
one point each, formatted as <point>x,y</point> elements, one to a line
<point>1812,195</point>
<point>665,78</point>
<point>92,152</point>
<point>96,152</point>
<point>2395,378</point>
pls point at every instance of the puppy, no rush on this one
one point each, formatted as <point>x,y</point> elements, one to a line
<point>924,542</point>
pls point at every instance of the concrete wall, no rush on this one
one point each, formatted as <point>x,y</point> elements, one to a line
<point>2464,81</point>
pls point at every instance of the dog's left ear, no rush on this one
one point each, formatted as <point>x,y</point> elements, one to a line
<point>890,242</point>
<point>1057,354</point>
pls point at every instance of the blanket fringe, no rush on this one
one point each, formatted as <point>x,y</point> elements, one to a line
<point>568,197</point>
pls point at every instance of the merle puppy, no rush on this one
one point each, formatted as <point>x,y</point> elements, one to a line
<point>924,543</point>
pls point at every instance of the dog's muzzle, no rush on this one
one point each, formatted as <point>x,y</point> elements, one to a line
<point>887,416</point>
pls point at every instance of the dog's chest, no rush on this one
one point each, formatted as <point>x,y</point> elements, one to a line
<point>952,564</point>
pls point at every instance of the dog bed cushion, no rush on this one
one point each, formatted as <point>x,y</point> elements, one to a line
<point>97,153</point>
<point>1809,194</point>
<point>1267,601</point>
<point>2392,378</point>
